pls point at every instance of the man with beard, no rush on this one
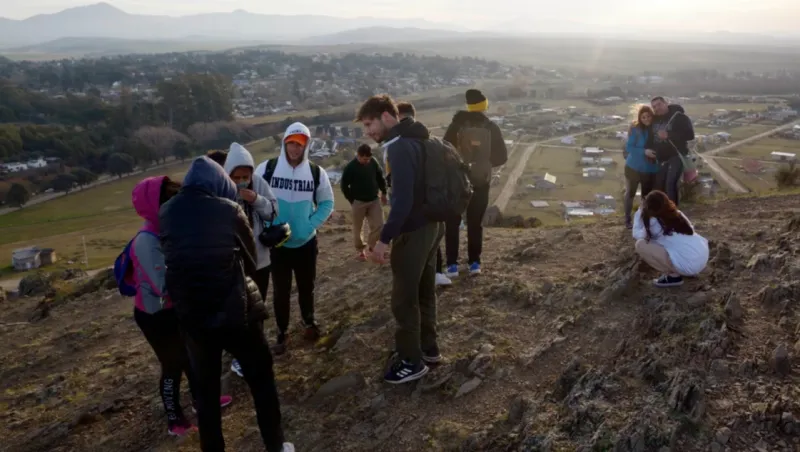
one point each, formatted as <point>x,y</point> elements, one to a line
<point>414,239</point>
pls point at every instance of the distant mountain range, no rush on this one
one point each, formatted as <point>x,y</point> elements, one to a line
<point>102,29</point>
<point>103,20</point>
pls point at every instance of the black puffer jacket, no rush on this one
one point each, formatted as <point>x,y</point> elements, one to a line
<point>209,252</point>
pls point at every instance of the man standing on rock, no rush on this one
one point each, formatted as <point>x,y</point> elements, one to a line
<point>362,178</point>
<point>407,110</point>
<point>481,145</point>
<point>672,131</point>
<point>414,239</point>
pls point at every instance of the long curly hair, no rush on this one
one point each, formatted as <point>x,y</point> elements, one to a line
<point>658,205</point>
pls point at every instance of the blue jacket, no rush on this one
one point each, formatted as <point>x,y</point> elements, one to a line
<point>637,139</point>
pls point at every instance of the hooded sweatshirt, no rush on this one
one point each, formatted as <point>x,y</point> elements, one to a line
<point>206,174</point>
<point>265,205</point>
<point>404,149</point>
<point>146,255</point>
<point>679,132</point>
<point>294,189</point>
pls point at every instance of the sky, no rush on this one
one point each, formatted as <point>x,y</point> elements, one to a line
<point>759,16</point>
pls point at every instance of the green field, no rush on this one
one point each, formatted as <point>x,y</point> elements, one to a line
<point>761,149</point>
<point>562,163</point>
<point>102,216</point>
<point>759,183</point>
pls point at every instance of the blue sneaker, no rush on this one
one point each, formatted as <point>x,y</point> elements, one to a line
<point>236,367</point>
<point>452,271</point>
<point>474,269</point>
<point>403,372</point>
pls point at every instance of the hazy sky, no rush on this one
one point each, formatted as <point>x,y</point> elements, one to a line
<point>762,16</point>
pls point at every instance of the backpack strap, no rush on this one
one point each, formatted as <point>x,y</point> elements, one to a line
<point>315,174</point>
<point>272,163</point>
<point>269,171</point>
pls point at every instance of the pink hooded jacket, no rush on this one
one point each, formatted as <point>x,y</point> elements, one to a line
<point>146,256</point>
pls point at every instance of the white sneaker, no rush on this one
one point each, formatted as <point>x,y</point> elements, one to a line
<point>288,447</point>
<point>443,280</point>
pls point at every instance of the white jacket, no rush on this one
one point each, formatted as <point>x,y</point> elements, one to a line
<point>688,253</point>
<point>264,208</point>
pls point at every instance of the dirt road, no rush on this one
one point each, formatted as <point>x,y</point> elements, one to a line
<point>730,181</point>
<point>508,190</point>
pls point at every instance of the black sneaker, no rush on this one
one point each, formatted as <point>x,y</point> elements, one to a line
<point>281,344</point>
<point>432,355</point>
<point>668,281</point>
<point>403,372</point>
<point>628,223</point>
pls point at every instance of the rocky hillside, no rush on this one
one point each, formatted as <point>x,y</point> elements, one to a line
<point>561,345</point>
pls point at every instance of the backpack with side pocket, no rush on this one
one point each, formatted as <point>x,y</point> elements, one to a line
<point>123,267</point>
<point>475,146</point>
<point>446,181</point>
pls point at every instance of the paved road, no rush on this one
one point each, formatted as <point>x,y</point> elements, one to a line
<point>730,181</point>
<point>747,140</point>
<point>511,184</point>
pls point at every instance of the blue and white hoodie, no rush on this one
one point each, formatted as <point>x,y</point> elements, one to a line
<point>294,187</point>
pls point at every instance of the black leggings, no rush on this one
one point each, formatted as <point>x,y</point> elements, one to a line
<point>162,332</point>
<point>249,346</point>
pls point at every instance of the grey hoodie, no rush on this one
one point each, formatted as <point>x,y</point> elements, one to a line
<point>265,208</point>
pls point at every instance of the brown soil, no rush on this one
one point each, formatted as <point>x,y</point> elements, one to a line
<point>560,345</point>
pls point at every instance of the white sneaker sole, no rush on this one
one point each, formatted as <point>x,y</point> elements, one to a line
<point>412,377</point>
<point>236,371</point>
<point>432,359</point>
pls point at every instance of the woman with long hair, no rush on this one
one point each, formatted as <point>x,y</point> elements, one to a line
<point>641,167</point>
<point>666,240</point>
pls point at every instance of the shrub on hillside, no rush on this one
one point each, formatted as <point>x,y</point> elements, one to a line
<point>690,192</point>
<point>787,176</point>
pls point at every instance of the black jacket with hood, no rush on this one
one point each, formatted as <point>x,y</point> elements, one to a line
<point>209,252</point>
<point>404,150</point>
<point>679,131</point>
<point>499,153</point>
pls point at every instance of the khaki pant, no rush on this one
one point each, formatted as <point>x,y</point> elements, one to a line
<point>656,256</point>
<point>373,213</point>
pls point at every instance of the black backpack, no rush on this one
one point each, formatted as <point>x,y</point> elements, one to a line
<point>475,146</point>
<point>446,181</point>
<point>273,163</point>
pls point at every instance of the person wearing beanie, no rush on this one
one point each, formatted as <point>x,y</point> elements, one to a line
<point>480,143</point>
<point>476,101</point>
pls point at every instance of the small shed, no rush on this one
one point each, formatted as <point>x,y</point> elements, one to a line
<point>592,151</point>
<point>594,173</point>
<point>605,200</point>
<point>48,256</point>
<point>783,156</point>
<point>24,259</point>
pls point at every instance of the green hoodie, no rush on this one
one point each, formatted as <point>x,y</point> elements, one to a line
<point>362,182</point>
